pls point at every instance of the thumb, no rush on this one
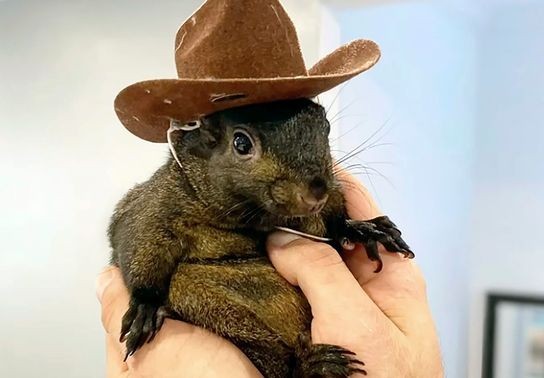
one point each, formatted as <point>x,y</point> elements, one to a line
<point>325,280</point>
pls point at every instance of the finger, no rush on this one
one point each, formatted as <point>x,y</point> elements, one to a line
<point>360,204</point>
<point>401,293</point>
<point>399,289</point>
<point>398,274</point>
<point>113,296</point>
<point>179,349</point>
<point>183,350</point>
<point>115,366</point>
<point>332,291</point>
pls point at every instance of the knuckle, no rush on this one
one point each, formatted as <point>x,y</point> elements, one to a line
<point>109,305</point>
<point>415,285</point>
<point>322,256</point>
<point>419,279</point>
<point>113,307</point>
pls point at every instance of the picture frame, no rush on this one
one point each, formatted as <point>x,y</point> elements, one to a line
<point>513,336</point>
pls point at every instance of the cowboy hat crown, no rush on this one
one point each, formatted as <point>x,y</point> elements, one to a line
<point>232,53</point>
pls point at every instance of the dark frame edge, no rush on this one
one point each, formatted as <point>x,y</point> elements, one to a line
<point>492,301</point>
<point>489,336</point>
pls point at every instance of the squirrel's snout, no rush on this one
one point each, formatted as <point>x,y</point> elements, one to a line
<point>315,197</point>
<point>318,187</point>
<point>301,198</point>
<point>311,204</point>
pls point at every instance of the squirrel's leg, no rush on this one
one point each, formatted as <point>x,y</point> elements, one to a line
<point>247,303</point>
<point>147,262</point>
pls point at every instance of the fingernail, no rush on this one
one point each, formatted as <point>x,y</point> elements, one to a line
<point>281,239</point>
<point>103,281</point>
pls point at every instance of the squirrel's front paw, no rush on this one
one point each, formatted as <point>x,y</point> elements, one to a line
<point>379,230</point>
<point>141,323</point>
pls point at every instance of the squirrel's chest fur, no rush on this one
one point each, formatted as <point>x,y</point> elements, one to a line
<point>205,242</point>
<point>225,273</point>
<point>233,267</point>
<point>221,277</point>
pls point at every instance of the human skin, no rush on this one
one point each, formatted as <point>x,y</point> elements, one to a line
<point>384,318</point>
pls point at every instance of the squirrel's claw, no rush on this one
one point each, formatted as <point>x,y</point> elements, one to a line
<point>324,360</point>
<point>140,324</point>
<point>162,314</point>
<point>379,230</point>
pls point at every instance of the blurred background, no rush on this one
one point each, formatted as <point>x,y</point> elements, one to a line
<point>453,115</point>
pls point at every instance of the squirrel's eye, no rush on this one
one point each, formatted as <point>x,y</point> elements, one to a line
<point>242,143</point>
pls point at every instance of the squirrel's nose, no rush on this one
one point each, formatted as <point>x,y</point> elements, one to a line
<point>312,199</point>
<point>313,204</point>
<point>318,187</point>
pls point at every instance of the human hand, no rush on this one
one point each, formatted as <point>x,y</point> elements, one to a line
<point>178,350</point>
<point>384,318</point>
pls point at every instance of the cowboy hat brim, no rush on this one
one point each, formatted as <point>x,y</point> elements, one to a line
<point>146,108</point>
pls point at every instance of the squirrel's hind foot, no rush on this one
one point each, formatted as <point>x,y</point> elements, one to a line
<point>141,323</point>
<point>324,360</point>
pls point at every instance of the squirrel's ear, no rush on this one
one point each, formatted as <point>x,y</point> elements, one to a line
<point>201,142</point>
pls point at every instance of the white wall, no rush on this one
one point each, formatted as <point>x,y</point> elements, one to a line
<point>422,94</point>
<point>507,253</point>
<point>460,90</point>
<point>65,160</point>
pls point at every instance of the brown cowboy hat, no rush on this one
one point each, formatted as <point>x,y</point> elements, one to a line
<point>232,53</point>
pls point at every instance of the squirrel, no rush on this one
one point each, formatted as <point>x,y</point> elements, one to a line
<point>190,241</point>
